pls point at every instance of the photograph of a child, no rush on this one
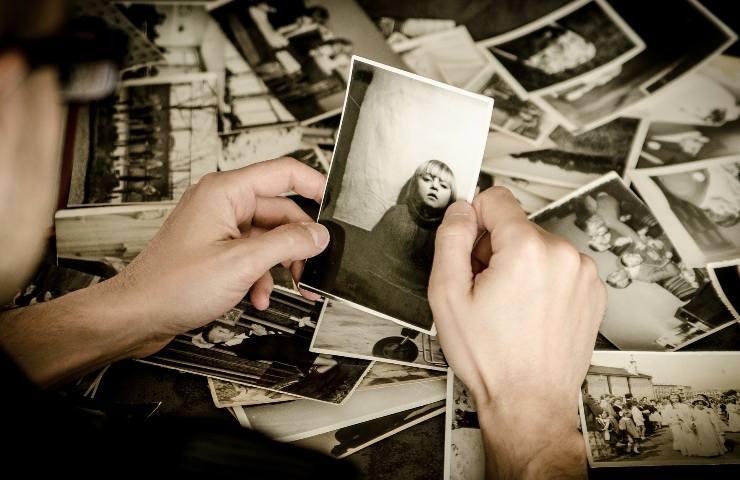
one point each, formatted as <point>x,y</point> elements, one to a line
<point>402,157</point>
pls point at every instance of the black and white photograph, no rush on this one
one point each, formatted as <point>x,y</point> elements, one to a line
<point>302,50</point>
<point>673,143</point>
<point>698,203</point>
<point>291,421</point>
<point>407,148</point>
<point>576,160</point>
<point>513,115</point>
<point>229,394</point>
<point>726,280</point>
<point>266,349</point>
<point>346,331</point>
<point>348,440</point>
<point>657,300</point>
<point>582,39</point>
<point>114,235</point>
<point>464,453</point>
<point>643,409</point>
<point>49,282</point>
<point>669,54</point>
<point>153,139</point>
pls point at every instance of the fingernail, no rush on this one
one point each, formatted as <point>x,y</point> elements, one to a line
<point>319,233</point>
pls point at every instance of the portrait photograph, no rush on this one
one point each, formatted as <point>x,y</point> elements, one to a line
<point>699,205</point>
<point>726,280</point>
<point>464,451</point>
<point>656,300</point>
<point>575,160</point>
<point>583,38</point>
<point>407,148</point>
<point>641,409</point>
<point>346,331</point>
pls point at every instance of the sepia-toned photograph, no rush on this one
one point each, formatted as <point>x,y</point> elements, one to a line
<point>657,300</point>
<point>464,453</point>
<point>114,235</point>
<point>153,139</point>
<point>576,160</point>
<point>583,38</point>
<point>655,409</point>
<point>698,203</point>
<point>726,280</point>
<point>348,440</point>
<point>49,282</point>
<point>266,349</point>
<point>407,148</point>
<point>229,394</point>
<point>669,54</point>
<point>349,332</point>
<point>673,143</point>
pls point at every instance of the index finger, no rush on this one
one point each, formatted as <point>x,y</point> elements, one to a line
<point>274,177</point>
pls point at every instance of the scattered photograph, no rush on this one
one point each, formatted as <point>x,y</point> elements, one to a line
<point>49,282</point>
<point>407,148</point>
<point>655,409</point>
<point>543,190</point>
<point>348,440</point>
<point>513,114</point>
<point>346,331</point>
<point>383,374</point>
<point>669,54</point>
<point>576,159</point>
<point>291,421</point>
<point>229,394</point>
<point>583,38</point>
<point>673,143</point>
<point>698,203</point>
<point>266,349</point>
<point>114,235</point>
<point>726,280</point>
<point>464,452</point>
<point>302,50</point>
<point>401,32</point>
<point>153,139</point>
<point>657,300</point>
<point>529,201</point>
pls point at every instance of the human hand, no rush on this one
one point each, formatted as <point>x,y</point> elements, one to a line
<point>217,244</point>
<point>517,315</point>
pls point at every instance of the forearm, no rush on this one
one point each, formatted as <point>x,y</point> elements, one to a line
<point>67,337</point>
<point>523,444</point>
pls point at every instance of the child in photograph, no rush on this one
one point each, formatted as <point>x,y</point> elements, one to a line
<point>629,431</point>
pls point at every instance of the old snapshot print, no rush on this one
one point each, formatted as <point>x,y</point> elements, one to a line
<point>698,203</point>
<point>726,280</point>
<point>669,54</point>
<point>266,349</point>
<point>657,300</point>
<point>672,143</point>
<point>153,139</point>
<point>576,159</point>
<point>656,409</point>
<point>229,394</point>
<point>583,38</point>
<point>349,332</point>
<point>464,454</point>
<point>407,148</point>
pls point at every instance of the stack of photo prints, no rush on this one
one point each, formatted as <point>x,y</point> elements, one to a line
<point>615,126</point>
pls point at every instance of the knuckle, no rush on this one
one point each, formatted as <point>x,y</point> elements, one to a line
<point>589,267</point>
<point>207,181</point>
<point>532,246</point>
<point>566,253</point>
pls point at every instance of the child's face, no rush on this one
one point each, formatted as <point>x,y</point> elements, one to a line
<point>434,191</point>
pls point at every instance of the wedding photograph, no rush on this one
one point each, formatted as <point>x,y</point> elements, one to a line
<point>407,148</point>
<point>643,409</point>
<point>582,39</point>
<point>656,299</point>
<point>698,203</point>
<point>726,280</point>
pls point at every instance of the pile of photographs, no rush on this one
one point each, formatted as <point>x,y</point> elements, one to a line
<point>612,126</point>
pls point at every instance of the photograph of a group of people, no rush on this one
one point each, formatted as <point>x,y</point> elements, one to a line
<point>407,148</point>
<point>655,409</point>
<point>290,46</point>
<point>656,300</point>
<point>267,349</point>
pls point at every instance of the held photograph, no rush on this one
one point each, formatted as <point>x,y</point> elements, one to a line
<point>407,148</point>
<point>726,280</point>
<point>641,409</point>
<point>657,300</point>
<point>698,203</point>
<point>582,39</point>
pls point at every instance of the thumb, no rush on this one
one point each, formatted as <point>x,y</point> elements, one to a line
<point>452,272</point>
<point>286,243</point>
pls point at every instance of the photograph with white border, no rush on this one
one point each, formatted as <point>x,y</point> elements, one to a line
<point>641,409</point>
<point>656,301</point>
<point>407,148</point>
<point>726,280</point>
<point>349,332</point>
<point>698,203</point>
<point>464,450</point>
<point>673,143</point>
<point>582,39</point>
